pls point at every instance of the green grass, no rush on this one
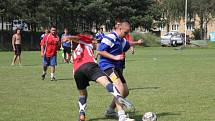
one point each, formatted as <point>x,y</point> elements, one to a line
<point>176,84</point>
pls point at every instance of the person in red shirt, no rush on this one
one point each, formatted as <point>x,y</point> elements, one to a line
<point>49,46</point>
<point>86,69</point>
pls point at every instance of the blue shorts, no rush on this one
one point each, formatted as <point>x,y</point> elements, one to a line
<point>50,61</point>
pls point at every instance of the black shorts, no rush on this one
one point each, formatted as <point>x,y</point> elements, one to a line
<point>114,73</point>
<point>87,72</point>
<point>123,63</point>
<point>67,50</point>
<point>18,49</point>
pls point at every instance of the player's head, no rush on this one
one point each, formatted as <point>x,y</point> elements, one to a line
<point>53,30</point>
<point>66,30</point>
<point>18,30</point>
<point>123,28</point>
<point>101,29</point>
<point>47,30</point>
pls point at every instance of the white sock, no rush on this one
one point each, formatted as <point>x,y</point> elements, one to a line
<point>121,113</point>
<point>52,75</point>
<point>44,72</point>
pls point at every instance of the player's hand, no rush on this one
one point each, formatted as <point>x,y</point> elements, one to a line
<point>140,42</point>
<point>14,49</point>
<point>119,57</point>
<point>42,54</point>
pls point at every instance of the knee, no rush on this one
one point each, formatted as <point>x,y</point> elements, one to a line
<point>126,93</point>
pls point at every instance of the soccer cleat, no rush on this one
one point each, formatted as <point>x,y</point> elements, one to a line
<point>53,79</point>
<point>110,114</point>
<point>125,118</point>
<point>43,76</point>
<point>126,103</point>
<point>82,116</point>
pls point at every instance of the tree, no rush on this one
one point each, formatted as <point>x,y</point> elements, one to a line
<point>205,9</point>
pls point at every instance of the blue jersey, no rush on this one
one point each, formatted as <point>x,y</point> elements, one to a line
<point>66,44</point>
<point>100,36</point>
<point>114,45</point>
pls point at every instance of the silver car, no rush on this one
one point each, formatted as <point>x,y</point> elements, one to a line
<point>173,39</point>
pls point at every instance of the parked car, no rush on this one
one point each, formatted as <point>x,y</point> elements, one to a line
<point>173,39</point>
<point>165,39</point>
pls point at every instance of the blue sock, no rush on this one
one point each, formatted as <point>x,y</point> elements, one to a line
<point>82,103</point>
<point>113,90</point>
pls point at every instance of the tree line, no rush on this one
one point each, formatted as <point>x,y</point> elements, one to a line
<point>84,14</point>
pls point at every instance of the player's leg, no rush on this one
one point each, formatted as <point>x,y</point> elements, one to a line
<point>15,55</point>
<point>101,78</point>
<point>69,54</point>
<point>53,63</point>
<point>81,83</point>
<point>19,53</point>
<point>45,66</point>
<point>14,60</point>
<point>65,54</point>
<point>118,80</point>
<point>82,103</point>
<point>19,59</point>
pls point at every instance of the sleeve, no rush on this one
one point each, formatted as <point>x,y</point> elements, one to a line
<point>42,42</point>
<point>105,44</point>
<point>129,38</point>
<point>84,38</point>
<point>126,46</point>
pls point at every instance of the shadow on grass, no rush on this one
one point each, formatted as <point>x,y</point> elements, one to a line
<point>101,118</point>
<point>139,117</point>
<point>32,65</point>
<point>166,114</point>
<point>141,88</point>
<point>64,79</point>
<point>136,117</point>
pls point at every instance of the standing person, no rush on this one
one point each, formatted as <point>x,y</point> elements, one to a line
<point>116,44</point>
<point>111,51</point>
<point>67,46</point>
<point>46,30</point>
<point>99,36</point>
<point>16,43</point>
<point>85,70</point>
<point>49,46</point>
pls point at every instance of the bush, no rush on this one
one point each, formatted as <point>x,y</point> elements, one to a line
<point>150,40</point>
<point>197,34</point>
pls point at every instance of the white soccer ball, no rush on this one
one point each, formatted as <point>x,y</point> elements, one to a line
<point>149,116</point>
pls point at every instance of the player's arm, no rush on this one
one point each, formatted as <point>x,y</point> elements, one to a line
<point>110,56</point>
<point>105,45</point>
<point>13,42</point>
<point>139,42</point>
<point>71,38</point>
<point>42,46</point>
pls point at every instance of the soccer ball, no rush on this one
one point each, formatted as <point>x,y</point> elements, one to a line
<point>149,116</point>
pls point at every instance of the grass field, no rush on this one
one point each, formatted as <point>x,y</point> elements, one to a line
<point>178,85</point>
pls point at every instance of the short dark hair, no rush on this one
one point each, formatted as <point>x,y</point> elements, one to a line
<point>54,26</point>
<point>18,29</point>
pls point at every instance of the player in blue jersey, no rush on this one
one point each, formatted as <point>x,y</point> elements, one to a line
<point>111,51</point>
<point>67,45</point>
<point>99,36</point>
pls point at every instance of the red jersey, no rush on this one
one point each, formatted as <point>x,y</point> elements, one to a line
<point>83,53</point>
<point>50,43</point>
<point>129,37</point>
